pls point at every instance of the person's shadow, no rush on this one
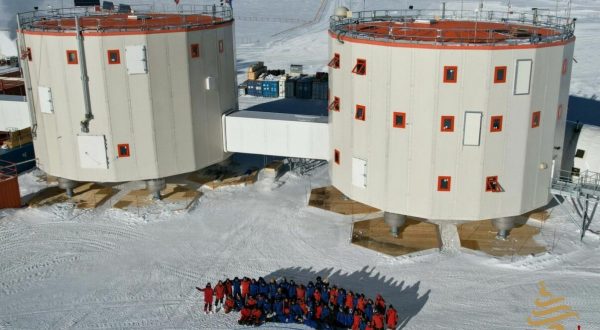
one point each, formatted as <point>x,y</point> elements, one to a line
<point>403,296</point>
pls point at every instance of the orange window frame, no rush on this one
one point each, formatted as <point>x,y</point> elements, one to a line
<point>440,185</point>
<point>72,57</point>
<point>221,46</point>
<point>493,127</point>
<point>536,118</point>
<point>395,122</point>
<point>336,156</point>
<point>195,50</point>
<point>565,66</point>
<point>335,61</point>
<point>443,127</point>
<point>117,55</point>
<point>559,111</point>
<point>491,184</point>
<point>123,150</point>
<point>497,70</point>
<point>335,104</point>
<point>360,68</point>
<point>360,116</point>
<point>454,78</point>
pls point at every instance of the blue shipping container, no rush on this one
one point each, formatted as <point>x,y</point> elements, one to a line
<point>320,89</point>
<point>290,88</point>
<point>255,87</point>
<point>270,88</point>
<point>304,88</point>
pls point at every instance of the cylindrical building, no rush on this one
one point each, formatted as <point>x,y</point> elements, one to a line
<point>446,117</point>
<point>122,95</point>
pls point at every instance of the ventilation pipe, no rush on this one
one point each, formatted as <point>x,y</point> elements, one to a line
<point>85,123</point>
<point>25,65</point>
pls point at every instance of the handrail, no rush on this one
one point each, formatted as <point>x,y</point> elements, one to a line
<point>218,15</point>
<point>561,28</point>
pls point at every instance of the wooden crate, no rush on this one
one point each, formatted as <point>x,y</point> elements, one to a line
<point>19,138</point>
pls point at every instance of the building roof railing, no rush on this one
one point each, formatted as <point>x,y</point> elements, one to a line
<point>147,18</point>
<point>454,27</point>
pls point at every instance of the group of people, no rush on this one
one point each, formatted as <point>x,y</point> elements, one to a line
<point>317,305</point>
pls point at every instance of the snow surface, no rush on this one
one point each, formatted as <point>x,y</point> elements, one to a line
<point>61,267</point>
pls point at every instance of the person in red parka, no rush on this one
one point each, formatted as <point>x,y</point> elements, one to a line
<point>380,303</point>
<point>378,321</point>
<point>208,297</point>
<point>356,320</point>
<point>228,287</point>
<point>256,314</point>
<point>245,287</point>
<point>391,317</point>
<point>350,300</point>
<point>245,315</point>
<point>219,293</point>
<point>229,304</point>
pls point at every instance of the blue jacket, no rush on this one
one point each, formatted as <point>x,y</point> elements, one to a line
<point>310,290</point>
<point>267,307</point>
<point>349,319</point>
<point>253,289</point>
<point>272,290</point>
<point>325,296</point>
<point>278,306</point>
<point>324,313</point>
<point>292,291</point>
<point>296,310</point>
<point>340,318</point>
<point>263,289</point>
<point>341,299</point>
<point>369,311</point>
<point>236,287</point>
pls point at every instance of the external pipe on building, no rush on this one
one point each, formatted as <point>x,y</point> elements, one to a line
<point>25,66</point>
<point>85,123</point>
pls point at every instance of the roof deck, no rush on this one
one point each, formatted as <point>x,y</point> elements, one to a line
<point>453,27</point>
<point>143,18</point>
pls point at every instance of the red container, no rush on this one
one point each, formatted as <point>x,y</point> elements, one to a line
<point>10,196</point>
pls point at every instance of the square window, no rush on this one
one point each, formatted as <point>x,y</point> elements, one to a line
<point>450,74</point>
<point>447,124</point>
<point>399,120</point>
<point>500,75</point>
<point>361,67</point>
<point>361,112</point>
<point>444,183</point>
<point>221,46</point>
<point>336,156</point>
<point>575,171</point>
<point>580,153</point>
<point>195,50</point>
<point>29,54</point>
<point>492,185</point>
<point>335,105</point>
<point>535,119</point>
<point>114,56</point>
<point>335,61</point>
<point>123,150</point>
<point>72,57</point>
<point>496,124</point>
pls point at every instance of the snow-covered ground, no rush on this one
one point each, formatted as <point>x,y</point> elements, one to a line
<point>61,267</point>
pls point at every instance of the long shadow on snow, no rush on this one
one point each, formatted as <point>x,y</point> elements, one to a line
<point>403,296</point>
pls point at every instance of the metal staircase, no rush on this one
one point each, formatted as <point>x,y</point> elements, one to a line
<point>583,191</point>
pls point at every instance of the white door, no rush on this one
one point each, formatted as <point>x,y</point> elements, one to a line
<point>359,172</point>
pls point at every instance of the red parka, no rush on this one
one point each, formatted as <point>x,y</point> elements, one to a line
<point>245,287</point>
<point>350,301</point>
<point>392,318</point>
<point>208,294</point>
<point>220,291</point>
<point>378,321</point>
<point>356,323</point>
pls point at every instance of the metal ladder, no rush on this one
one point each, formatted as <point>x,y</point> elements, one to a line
<point>584,193</point>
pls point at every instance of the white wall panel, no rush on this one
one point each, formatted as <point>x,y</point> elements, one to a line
<point>472,130</point>
<point>92,151</point>
<point>14,113</point>
<point>523,77</point>
<point>277,134</point>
